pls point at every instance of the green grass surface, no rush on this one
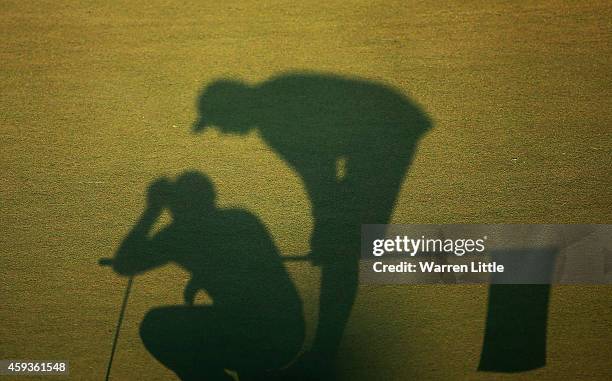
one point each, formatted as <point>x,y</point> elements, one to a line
<point>97,100</point>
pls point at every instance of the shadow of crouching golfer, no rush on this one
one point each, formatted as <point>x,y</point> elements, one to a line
<point>255,322</point>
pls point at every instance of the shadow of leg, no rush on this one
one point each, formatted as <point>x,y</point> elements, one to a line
<point>176,337</point>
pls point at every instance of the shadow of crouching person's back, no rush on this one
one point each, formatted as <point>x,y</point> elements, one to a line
<point>255,322</point>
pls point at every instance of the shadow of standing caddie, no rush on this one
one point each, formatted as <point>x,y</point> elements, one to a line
<point>255,322</point>
<point>351,141</point>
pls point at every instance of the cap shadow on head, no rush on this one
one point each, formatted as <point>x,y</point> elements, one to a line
<point>228,105</point>
<point>192,194</point>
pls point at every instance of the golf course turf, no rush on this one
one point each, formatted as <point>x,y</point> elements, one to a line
<point>100,99</point>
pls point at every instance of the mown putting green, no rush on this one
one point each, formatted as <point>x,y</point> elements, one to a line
<point>98,100</point>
